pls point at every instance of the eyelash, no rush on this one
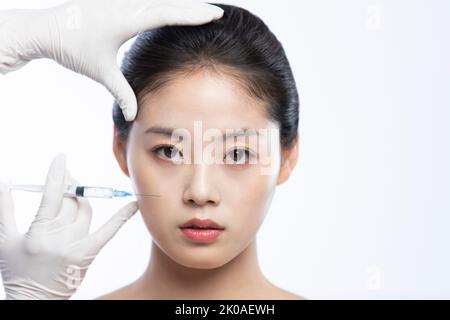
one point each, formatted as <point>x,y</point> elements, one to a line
<point>248,153</point>
<point>162,147</point>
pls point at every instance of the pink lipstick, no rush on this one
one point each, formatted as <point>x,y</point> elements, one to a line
<point>201,230</point>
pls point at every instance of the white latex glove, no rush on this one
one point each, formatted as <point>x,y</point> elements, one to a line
<point>85,36</point>
<point>51,259</point>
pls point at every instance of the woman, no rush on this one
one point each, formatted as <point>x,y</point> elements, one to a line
<point>230,77</point>
<point>227,75</point>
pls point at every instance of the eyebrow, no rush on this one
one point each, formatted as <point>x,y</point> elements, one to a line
<point>166,131</point>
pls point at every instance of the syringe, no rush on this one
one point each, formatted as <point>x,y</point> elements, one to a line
<point>80,191</point>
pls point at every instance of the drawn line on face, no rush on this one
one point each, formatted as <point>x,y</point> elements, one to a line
<point>146,195</point>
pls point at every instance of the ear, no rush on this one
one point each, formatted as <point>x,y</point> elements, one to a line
<point>119,149</point>
<point>288,161</point>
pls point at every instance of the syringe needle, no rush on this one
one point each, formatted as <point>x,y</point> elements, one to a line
<point>120,193</point>
<point>147,195</point>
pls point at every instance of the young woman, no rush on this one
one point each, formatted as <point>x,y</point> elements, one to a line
<point>230,75</point>
<point>229,78</point>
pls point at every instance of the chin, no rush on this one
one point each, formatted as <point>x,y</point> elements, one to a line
<point>201,261</point>
<point>205,265</point>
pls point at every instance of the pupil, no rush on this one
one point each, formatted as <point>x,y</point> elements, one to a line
<point>170,153</point>
<point>237,152</point>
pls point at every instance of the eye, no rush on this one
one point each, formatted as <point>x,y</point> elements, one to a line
<point>237,155</point>
<point>168,152</point>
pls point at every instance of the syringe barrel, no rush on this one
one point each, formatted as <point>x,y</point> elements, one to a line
<point>94,192</point>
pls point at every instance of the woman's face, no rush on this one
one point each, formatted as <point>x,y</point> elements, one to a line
<point>235,193</point>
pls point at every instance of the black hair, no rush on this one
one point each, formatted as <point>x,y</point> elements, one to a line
<point>239,41</point>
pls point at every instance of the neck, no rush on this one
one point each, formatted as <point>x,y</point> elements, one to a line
<point>237,279</point>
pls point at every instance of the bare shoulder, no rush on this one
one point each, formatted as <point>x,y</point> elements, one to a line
<point>286,295</point>
<point>293,296</point>
<point>132,292</point>
<point>278,293</point>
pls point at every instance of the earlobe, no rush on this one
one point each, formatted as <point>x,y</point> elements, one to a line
<point>119,150</point>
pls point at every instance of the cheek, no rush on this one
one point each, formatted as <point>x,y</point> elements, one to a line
<point>147,180</point>
<point>151,174</point>
<point>250,200</point>
<point>159,219</point>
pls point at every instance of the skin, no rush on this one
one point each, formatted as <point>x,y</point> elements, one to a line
<point>236,196</point>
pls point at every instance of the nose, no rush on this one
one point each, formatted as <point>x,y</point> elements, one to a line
<point>201,188</point>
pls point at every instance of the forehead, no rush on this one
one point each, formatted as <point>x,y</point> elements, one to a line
<point>218,100</point>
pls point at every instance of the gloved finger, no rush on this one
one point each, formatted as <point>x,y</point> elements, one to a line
<point>177,13</point>
<point>69,206</point>
<point>53,192</point>
<point>98,239</point>
<point>84,216</point>
<point>114,80</point>
<point>7,220</point>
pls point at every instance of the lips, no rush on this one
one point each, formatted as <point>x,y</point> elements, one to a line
<point>201,224</point>
<point>201,230</point>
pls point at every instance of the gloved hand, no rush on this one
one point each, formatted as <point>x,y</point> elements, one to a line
<point>85,36</point>
<point>51,259</point>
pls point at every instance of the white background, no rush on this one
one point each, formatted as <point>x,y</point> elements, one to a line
<point>366,212</point>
